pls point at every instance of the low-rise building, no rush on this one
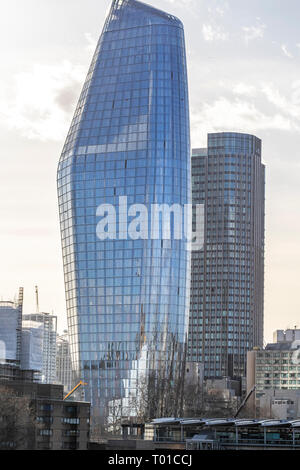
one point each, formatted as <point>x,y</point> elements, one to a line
<point>277,367</point>
<point>52,424</point>
<point>279,404</point>
<point>273,368</point>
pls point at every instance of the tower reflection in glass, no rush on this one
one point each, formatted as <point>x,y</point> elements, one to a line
<point>127,300</point>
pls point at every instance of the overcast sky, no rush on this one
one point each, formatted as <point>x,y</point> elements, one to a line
<point>244,64</point>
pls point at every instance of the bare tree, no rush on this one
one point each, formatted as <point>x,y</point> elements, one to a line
<point>193,400</point>
<point>17,424</point>
<point>160,391</point>
<point>159,387</point>
<point>114,417</point>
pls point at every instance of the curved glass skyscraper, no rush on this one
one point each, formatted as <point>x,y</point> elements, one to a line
<point>127,299</point>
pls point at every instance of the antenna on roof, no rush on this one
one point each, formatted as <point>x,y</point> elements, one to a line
<point>37,299</point>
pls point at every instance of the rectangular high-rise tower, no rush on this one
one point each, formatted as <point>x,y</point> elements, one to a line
<point>127,298</point>
<point>40,329</point>
<point>227,275</point>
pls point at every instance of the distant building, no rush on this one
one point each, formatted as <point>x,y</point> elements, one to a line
<point>48,324</point>
<point>12,372</point>
<point>64,372</point>
<point>283,336</point>
<point>10,330</point>
<point>279,404</point>
<point>222,396</point>
<point>277,367</point>
<point>230,388</point>
<point>32,347</point>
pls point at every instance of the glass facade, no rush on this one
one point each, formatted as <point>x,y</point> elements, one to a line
<point>227,281</point>
<point>127,300</point>
<point>10,333</point>
<point>47,323</point>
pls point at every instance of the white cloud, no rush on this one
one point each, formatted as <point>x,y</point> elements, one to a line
<point>213,33</point>
<point>219,10</point>
<point>290,106</point>
<point>286,52</point>
<point>39,101</point>
<point>91,42</point>
<point>244,89</point>
<point>286,103</point>
<point>273,95</point>
<point>180,2</point>
<point>194,7</point>
<point>235,115</point>
<point>254,32</point>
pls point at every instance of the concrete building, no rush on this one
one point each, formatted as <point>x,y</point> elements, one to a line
<point>56,424</point>
<point>221,396</point>
<point>275,368</point>
<point>232,387</point>
<point>279,404</point>
<point>283,336</point>
<point>227,275</point>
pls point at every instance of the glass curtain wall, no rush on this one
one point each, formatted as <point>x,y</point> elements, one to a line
<point>127,300</point>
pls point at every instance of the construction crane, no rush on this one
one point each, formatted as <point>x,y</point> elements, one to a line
<point>81,383</point>
<point>37,299</point>
<point>245,401</point>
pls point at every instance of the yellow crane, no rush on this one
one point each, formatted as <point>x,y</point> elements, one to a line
<point>81,383</point>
